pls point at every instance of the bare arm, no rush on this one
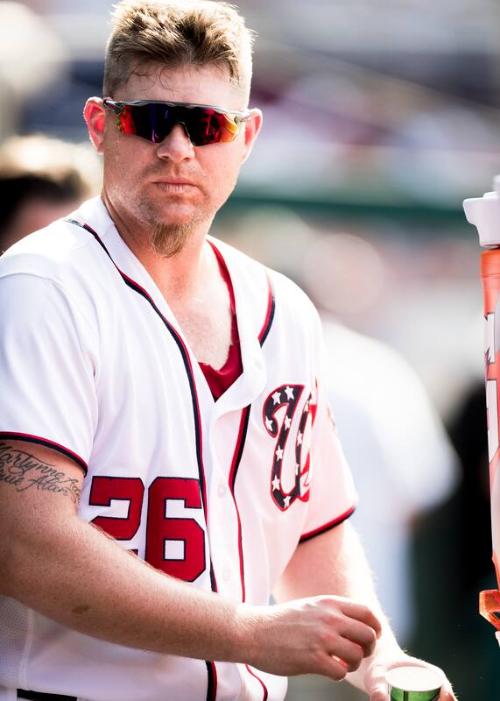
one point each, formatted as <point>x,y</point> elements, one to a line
<point>75,574</point>
<point>335,563</point>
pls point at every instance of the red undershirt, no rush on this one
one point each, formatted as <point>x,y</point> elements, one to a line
<point>220,380</point>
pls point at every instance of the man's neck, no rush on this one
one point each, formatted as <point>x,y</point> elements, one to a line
<point>192,284</point>
<point>177,276</point>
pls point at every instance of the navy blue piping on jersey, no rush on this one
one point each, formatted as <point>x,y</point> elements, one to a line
<point>211,669</point>
<point>271,308</point>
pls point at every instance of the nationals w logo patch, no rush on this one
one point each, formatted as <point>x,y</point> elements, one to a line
<point>287,468</point>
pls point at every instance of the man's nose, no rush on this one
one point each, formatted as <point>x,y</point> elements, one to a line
<point>176,146</point>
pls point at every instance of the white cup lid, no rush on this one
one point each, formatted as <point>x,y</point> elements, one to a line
<point>414,678</point>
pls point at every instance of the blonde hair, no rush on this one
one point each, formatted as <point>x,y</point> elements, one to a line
<point>177,33</point>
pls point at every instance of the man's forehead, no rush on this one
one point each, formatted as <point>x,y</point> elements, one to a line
<point>173,78</point>
<point>205,84</point>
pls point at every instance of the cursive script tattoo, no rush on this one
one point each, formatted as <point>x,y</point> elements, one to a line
<point>24,471</point>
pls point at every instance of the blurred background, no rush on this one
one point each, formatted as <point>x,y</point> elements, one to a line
<point>379,121</point>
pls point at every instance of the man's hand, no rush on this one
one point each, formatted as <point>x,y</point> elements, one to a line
<point>327,635</point>
<point>376,670</point>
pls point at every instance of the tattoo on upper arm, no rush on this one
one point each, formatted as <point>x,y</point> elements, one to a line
<point>25,471</point>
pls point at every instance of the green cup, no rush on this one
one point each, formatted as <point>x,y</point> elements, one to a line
<point>414,683</point>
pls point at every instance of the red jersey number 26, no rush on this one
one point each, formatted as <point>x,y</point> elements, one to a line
<point>174,545</point>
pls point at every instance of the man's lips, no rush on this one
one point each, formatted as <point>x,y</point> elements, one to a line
<point>174,182</point>
<point>181,188</point>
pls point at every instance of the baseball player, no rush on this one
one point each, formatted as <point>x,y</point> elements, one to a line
<point>167,459</point>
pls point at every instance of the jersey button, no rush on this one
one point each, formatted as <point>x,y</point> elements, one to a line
<point>221,490</point>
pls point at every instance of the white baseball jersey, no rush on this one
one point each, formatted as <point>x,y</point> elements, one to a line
<point>218,493</point>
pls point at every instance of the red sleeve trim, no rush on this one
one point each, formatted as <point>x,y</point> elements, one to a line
<point>327,526</point>
<point>29,438</point>
<point>264,687</point>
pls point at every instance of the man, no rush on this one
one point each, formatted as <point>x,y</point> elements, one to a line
<point>165,399</point>
<point>41,179</point>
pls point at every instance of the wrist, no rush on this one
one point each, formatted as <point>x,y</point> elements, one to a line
<point>247,633</point>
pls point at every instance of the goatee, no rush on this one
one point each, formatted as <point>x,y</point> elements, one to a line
<point>169,239</point>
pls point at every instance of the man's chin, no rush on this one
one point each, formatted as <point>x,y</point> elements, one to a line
<point>168,239</point>
<point>176,216</point>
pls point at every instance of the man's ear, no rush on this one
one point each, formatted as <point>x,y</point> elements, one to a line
<point>95,118</point>
<point>252,128</point>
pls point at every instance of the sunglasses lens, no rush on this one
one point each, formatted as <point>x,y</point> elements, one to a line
<point>125,120</point>
<point>206,126</point>
<point>154,121</point>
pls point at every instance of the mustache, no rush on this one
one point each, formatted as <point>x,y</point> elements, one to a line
<point>174,173</point>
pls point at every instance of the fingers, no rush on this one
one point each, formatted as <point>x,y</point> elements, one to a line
<point>354,622</point>
<point>347,653</point>
<point>333,667</point>
<point>362,614</point>
<point>361,634</point>
<point>323,635</point>
<point>347,640</point>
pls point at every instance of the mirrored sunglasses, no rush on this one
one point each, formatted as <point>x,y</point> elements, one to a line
<point>204,124</point>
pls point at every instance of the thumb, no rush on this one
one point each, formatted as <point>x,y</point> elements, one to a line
<point>379,692</point>
<point>375,683</point>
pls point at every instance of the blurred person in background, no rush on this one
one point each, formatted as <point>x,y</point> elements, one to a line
<point>42,179</point>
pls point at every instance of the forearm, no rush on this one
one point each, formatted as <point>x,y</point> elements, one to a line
<point>356,581</point>
<point>335,563</point>
<point>76,575</point>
